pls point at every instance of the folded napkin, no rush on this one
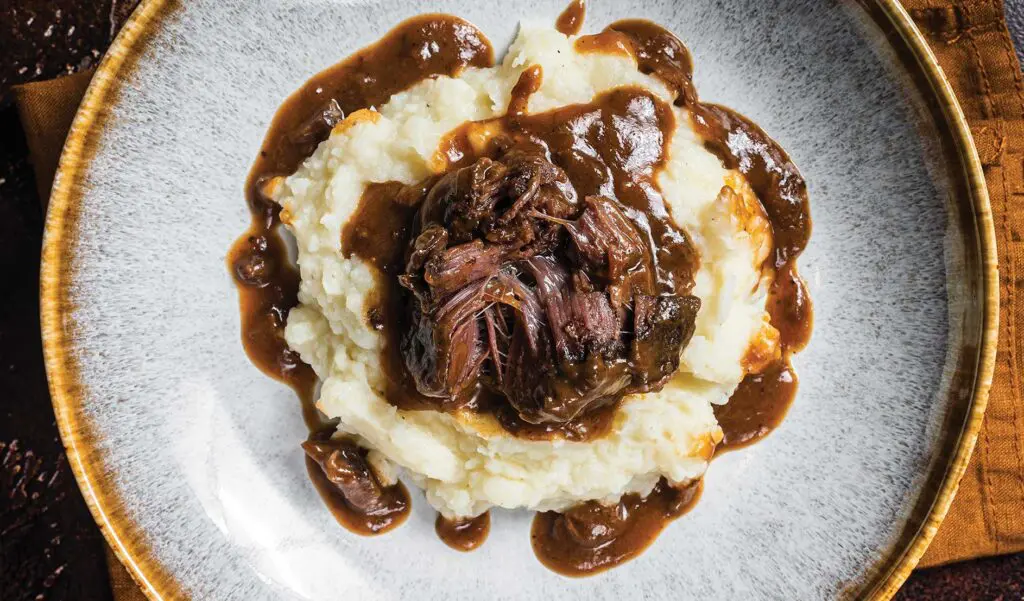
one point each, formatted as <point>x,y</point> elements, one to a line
<point>970,39</point>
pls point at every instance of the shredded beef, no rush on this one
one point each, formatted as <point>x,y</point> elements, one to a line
<point>518,286</point>
<point>344,464</point>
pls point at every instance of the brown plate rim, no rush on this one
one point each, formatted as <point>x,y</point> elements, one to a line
<point>125,537</point>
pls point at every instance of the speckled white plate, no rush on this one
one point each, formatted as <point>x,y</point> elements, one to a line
<point>189,456</point>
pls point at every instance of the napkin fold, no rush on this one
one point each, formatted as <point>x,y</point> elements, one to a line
<point>46,109</point>
<point>970,39</point>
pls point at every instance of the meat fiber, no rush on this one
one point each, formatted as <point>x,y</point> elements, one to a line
<point>518,286</point>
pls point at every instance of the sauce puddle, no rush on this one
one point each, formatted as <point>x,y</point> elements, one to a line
<point>591,538</point>
<point>570,21</point>
<point>463,535</point>
<point>389,517</point>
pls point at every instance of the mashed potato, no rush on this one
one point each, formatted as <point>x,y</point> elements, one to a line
<point>468,464</point>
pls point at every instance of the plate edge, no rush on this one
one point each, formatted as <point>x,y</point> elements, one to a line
<point>904,561</point>
<point>55,306</point>
<point>57,328</point>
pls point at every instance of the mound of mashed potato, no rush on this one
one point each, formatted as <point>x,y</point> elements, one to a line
<point>468,464</point>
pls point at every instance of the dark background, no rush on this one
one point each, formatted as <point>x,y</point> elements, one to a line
<point>50,548</point>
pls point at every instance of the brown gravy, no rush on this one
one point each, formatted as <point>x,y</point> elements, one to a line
<point>658,52</point>
<point>394,513</point>
<point>591,538</point>
<point>267,289</point>
<point>757,406</point>
<point>570,21</point>
<point>590,425</point>
<point>416,49</point>
<point>761,401</point>
<point>463,535</point>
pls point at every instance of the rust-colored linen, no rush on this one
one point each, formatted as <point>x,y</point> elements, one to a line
<point>46,109</point>
<point>970,39</point>
<point>121,582</point>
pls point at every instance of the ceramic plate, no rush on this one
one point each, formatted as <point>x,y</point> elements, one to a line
<point>189,456</point>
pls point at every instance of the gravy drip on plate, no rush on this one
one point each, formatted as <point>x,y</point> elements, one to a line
<point>267,281</point>
<point>351,489</point>
<point>570,21</point>
<point>416,49</point>
<point>463,535</point>
<point>760,402</point>
<point>757,406</point>
<point>268,285</point>
<point>762,399</point>
<point>591,538</point>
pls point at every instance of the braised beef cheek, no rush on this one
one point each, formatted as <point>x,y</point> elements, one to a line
<point>517,284</point>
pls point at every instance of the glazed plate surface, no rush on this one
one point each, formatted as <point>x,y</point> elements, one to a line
<point>190,458</point>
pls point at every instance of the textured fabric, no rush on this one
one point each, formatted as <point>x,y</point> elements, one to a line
<point>970,39</point>
<point>121,582</point>
<point>46,109</point>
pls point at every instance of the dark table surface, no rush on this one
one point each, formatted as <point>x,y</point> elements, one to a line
<point>50,549</point>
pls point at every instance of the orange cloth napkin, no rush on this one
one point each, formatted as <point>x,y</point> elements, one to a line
<point>46,109</point>
<point>970,39</point>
